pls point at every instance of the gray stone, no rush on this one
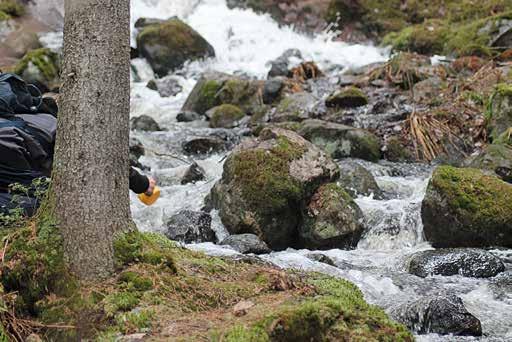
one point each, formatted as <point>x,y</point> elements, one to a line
<point>246,243</point>
<point>458,261</point>
<point>204,145</point>
<point>280,66</point>
<point>188,116</point>
<point>357,180</point>
<point>145,123</point>
<point>190,226</point>
<point>194,173</point>
<point>438,315</point>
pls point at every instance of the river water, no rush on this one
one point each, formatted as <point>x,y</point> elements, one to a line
<point>244,43</point>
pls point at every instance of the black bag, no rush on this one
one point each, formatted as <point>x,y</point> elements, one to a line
<point>16,97</point>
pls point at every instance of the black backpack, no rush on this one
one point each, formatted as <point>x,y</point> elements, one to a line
<point>17,97</point>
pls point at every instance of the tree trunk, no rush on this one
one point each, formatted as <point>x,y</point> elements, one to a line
<point>90,173</point>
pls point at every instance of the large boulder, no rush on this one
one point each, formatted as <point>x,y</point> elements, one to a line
<point>500,113</point>
<point>466,208</point>
<point>341,141</point>
<point>40,67</point>
<point>459,261</point>
<point>438,315</point>
<point>168,45</point>
<point>190,226</point>
<point>265,183</point>
<point>332,220</point>
<point>214,89</point>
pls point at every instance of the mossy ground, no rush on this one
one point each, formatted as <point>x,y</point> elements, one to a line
<point>172,293</point>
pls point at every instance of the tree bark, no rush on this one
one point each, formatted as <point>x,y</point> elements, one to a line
<point>90,173</point>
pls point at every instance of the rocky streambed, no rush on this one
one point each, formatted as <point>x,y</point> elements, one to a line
<point>315,154</point>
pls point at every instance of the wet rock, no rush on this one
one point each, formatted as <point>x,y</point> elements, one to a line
<point>188,117</point>
<point>166,87</point>
<point>214,89</point>
<point>501,285</point>
<point>460,261</point>
<point>281,65</point>
<point>194,173</point>
<point>495,158</point>
<point>204,145</point>
<point>332,220</point>
<point>324,259</point>
<point>265,182</point>
<point>466,208</point>
<point>357,180</point>
<point>500,112</point>
<point>190,226</point>
<point>168,45</point>
<point>225,116</point>
<point>136,148</point>
<point>246,243</point>
<point>294,107</point>
<point>341,141</point>
<point>144,123</point>
<point>272,90</point>
<point>348,97</point>
<point>40,67</point>
<point>438,315</point>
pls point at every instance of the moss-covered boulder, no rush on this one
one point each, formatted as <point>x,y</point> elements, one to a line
<point>466,208</point>
<point>341,141</point>
<point>294,107</point>
<point>265,183</point>
<point>225,116</point>
<point>40,67</point>
<point>168,45</point>
<point>499,116</point>
<point>332,220</point>
<point>348,97</point>
<point>214,89</point>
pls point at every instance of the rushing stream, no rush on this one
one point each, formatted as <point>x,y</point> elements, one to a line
<point>244,43</point>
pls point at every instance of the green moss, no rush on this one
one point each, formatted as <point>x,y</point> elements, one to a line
<point>480,199</point>
<point>12,8</point>
<point>337,313</point>
<point>4,16</point>
<point>207,98</point>
<point>136,281</point>
<point>120,301</point>
<point>44,59</point>
<point>151,249</point>
<point>264,175</point>
<point>226,116</point>
<point>426,38</point>
<point>130,322</point>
